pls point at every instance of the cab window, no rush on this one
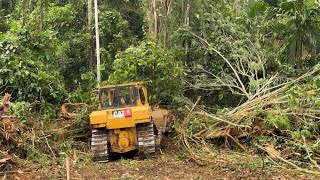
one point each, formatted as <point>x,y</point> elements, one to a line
<point>121,96</point>
<point>142,97</point>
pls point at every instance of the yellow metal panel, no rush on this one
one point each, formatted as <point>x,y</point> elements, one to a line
<point>118,150</point>
<point>98,117</point>
<point>117,123</point>
<point>140,114</point>
<point>137,121</point>
<point>119,85</point>
<point>137,112</point>
<point>159,117</point>
<point>98,125</point>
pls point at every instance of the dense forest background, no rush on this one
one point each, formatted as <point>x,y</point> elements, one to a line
<point>236,73</point>
<point>227,51</point>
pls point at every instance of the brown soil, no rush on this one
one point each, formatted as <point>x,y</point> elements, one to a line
<point>173,163</point>
<point>168,166</point>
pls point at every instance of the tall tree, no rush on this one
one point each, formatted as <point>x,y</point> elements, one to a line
<point>165,23</point>
<point>155,18</point>
<point>187,23</point>
<point>299,23</point>
<point>89,29</point>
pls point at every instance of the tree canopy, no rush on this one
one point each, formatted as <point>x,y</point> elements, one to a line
<point>180,48</point>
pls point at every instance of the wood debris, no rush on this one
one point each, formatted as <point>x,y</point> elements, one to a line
<point>69,111</point>
<point>10,129</point>
<point>4,106</point>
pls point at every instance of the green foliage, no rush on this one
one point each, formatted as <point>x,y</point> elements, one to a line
<point>20,109</point>
<point>155,66</point>
<point>301,133</point>
<point>297,20</point>
<point>280,122</point>
<point>64,148</point>
<point>114,31</point>
<point>197,124</point>
<point>231,50</point>
<point>74,41</point>
<point>238,34</point>
<point>34,154</point>
<point>301,95</point>
<point>3,23</point>
<point>272,2</point>
<point>40,58</point>
<point>25,68</point>
<point>114,37</point>
<point>303,100</point>
<point>133,12</point>
<point>60,19</point>
<point>255,7</point>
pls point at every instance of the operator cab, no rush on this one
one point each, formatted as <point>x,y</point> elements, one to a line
<point>111,97</point>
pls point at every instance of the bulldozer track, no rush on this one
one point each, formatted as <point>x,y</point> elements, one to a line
<point>99,145</point>
<point>146,138</point>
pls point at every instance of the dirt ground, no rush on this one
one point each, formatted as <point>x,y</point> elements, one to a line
<point>167,166</point>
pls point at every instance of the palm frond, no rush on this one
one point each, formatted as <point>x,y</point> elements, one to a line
<point>313,38</point>
<point>293,48</point>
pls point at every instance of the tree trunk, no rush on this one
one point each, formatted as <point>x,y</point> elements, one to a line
<point>89,30</point>
<point>150,16</point>
<point>97,40</point>
<point>10,4</point>
<point>23,13</point>
<point>155,16</point>
<point>30,5</point>
<point>35,16</point>
<point>167,11</point>
<point>187,23</point>
<point>89,14</point>
<point>41,15</point>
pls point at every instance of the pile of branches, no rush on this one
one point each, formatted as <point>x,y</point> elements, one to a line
<point>29,137</point>
<point>11,132</point>
<point>276,115</point>
<point>283,124</point>
<point>10,128</point>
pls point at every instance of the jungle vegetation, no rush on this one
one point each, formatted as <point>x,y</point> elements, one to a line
<point>249,60</point>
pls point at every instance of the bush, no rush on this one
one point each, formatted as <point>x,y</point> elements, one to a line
<point>158,68</point>
<point>28,68</point>
<point>280,122</point>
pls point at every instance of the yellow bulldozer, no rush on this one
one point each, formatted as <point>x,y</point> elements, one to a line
<point>125,121</point>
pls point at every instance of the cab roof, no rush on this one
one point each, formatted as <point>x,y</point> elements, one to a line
<point>119,85</point>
